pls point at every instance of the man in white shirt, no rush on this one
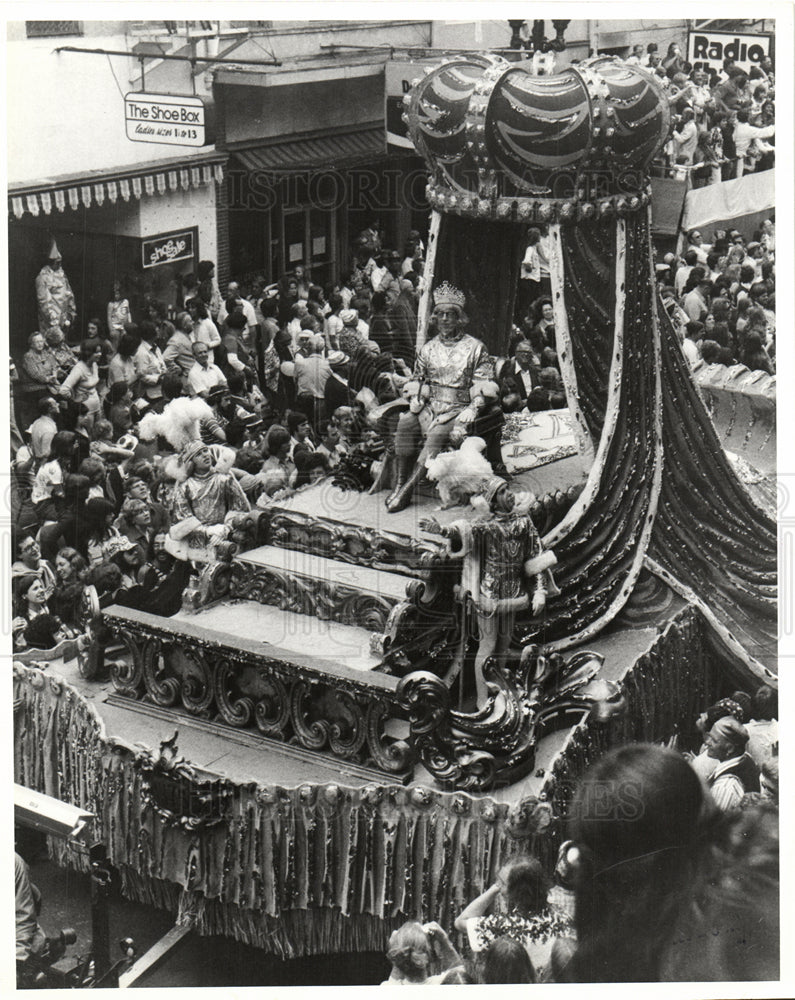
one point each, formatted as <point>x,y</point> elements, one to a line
<point>204,374</point>
<point>379,272</point>
<point>234,300</point>
<point>44,428</point>
<point>694,331</point>
<point>736,772</point>
<point>637,56</point>
<point>330,443</point>
<point>696,241</point>
<point>683,273</point>
<point>744,134</point>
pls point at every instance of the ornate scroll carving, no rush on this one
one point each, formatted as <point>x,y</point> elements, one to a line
<point>128,675</point>
<point>316,709</point>
<point>318,597</point>
<point>496,745</point>
<point>353,543</point>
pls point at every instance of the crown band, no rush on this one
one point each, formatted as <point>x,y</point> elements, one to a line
<point>447,295</point>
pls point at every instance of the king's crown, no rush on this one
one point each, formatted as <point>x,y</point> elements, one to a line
<point>447,295</point>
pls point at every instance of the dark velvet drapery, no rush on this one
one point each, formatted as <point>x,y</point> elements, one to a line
<point>482,259</point>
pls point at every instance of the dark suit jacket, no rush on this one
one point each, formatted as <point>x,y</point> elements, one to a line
<point>511,370</point>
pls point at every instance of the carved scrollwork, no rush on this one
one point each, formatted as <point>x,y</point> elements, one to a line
<point>393,756</point>
<point>214,582</point>
<point>272,711</point>
<point>236,710</point>
<point>162,689</point>
<point>128,674</point>
<point>348,731</point>
<point>197,687</point>
<point>311,734</point>
<point>353,543</point>
<point>316,597</point>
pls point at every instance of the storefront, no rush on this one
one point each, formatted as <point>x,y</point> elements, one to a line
<point>307,174</point>
<point>146,228</point>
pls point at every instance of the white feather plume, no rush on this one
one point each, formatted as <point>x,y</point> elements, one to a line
<point>178,423</point>
<point>459,474</point>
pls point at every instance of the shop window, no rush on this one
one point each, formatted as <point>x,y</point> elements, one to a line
<point>52,29</point>
<point>310,237</point>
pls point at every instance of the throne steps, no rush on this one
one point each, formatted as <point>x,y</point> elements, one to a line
<point>311,585</point>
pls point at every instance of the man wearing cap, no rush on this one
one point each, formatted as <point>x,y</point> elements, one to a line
<point>311,374</point>
<point>204,375</point>
<point>736,772</point>
<point>201,505</point>
<point>336,391</point>
<point>448,374</point>
<point>54,294</point>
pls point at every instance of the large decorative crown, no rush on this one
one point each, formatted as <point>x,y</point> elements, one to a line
<point>447,295</point>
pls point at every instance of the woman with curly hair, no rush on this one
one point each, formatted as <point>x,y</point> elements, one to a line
<point>420,954</point>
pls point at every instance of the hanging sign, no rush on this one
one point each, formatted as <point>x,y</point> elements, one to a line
<point>165,118</point>
<point>167,248</point>
<point>712,47</point>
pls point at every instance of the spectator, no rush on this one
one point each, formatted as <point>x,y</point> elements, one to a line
<point>763,726</point>
<point>204,330</point>
<point>119,315</point>
<point>413,951</point>
<point>204,375</point>
<point>736,772</point>
<point>81,383</point>
<point>30,561</point>
<point>178,355</point>
<point>506,961</point>
<point>690,346</point>
<point>523,887</point>
<point>122,364</point>
<point>44,428</point>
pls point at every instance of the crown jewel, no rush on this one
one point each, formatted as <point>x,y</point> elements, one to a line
<point>447,295</point>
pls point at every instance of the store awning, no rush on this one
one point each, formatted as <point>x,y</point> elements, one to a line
<point>144,180</point>
<point>300,154</point>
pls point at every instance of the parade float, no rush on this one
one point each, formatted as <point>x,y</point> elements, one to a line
<point>326,639</point>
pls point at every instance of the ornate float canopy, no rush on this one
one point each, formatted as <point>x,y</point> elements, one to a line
<point>504,144</point>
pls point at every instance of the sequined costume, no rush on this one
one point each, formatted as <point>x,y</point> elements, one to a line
<point>494,551</point>
<point>449,367</point>
<point>55,298</point>
<point>206,499</point>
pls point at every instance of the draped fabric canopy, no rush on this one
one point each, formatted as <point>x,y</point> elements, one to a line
<point>571,152</point>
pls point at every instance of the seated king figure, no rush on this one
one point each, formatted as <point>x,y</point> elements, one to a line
<point>449,374</point>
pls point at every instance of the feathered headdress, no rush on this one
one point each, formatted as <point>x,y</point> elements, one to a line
<point>178,423</point>
<point>460,474</point>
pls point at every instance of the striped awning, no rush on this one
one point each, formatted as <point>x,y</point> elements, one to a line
<point>147,182</point>
<point>308,153</point>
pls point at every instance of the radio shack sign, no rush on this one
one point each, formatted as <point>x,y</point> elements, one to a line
<point>712,47</point>
<point>166,118</point>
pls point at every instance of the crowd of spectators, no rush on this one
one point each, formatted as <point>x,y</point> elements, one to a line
<point>279,380</point>
<point>723,121</point>
<point>670,872</point>
<point>721,297</point>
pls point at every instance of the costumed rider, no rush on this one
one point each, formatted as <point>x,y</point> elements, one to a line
<point>504,562</point>
<point>453,373</point>
<point>54,295</point>
<point>208,505</point>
